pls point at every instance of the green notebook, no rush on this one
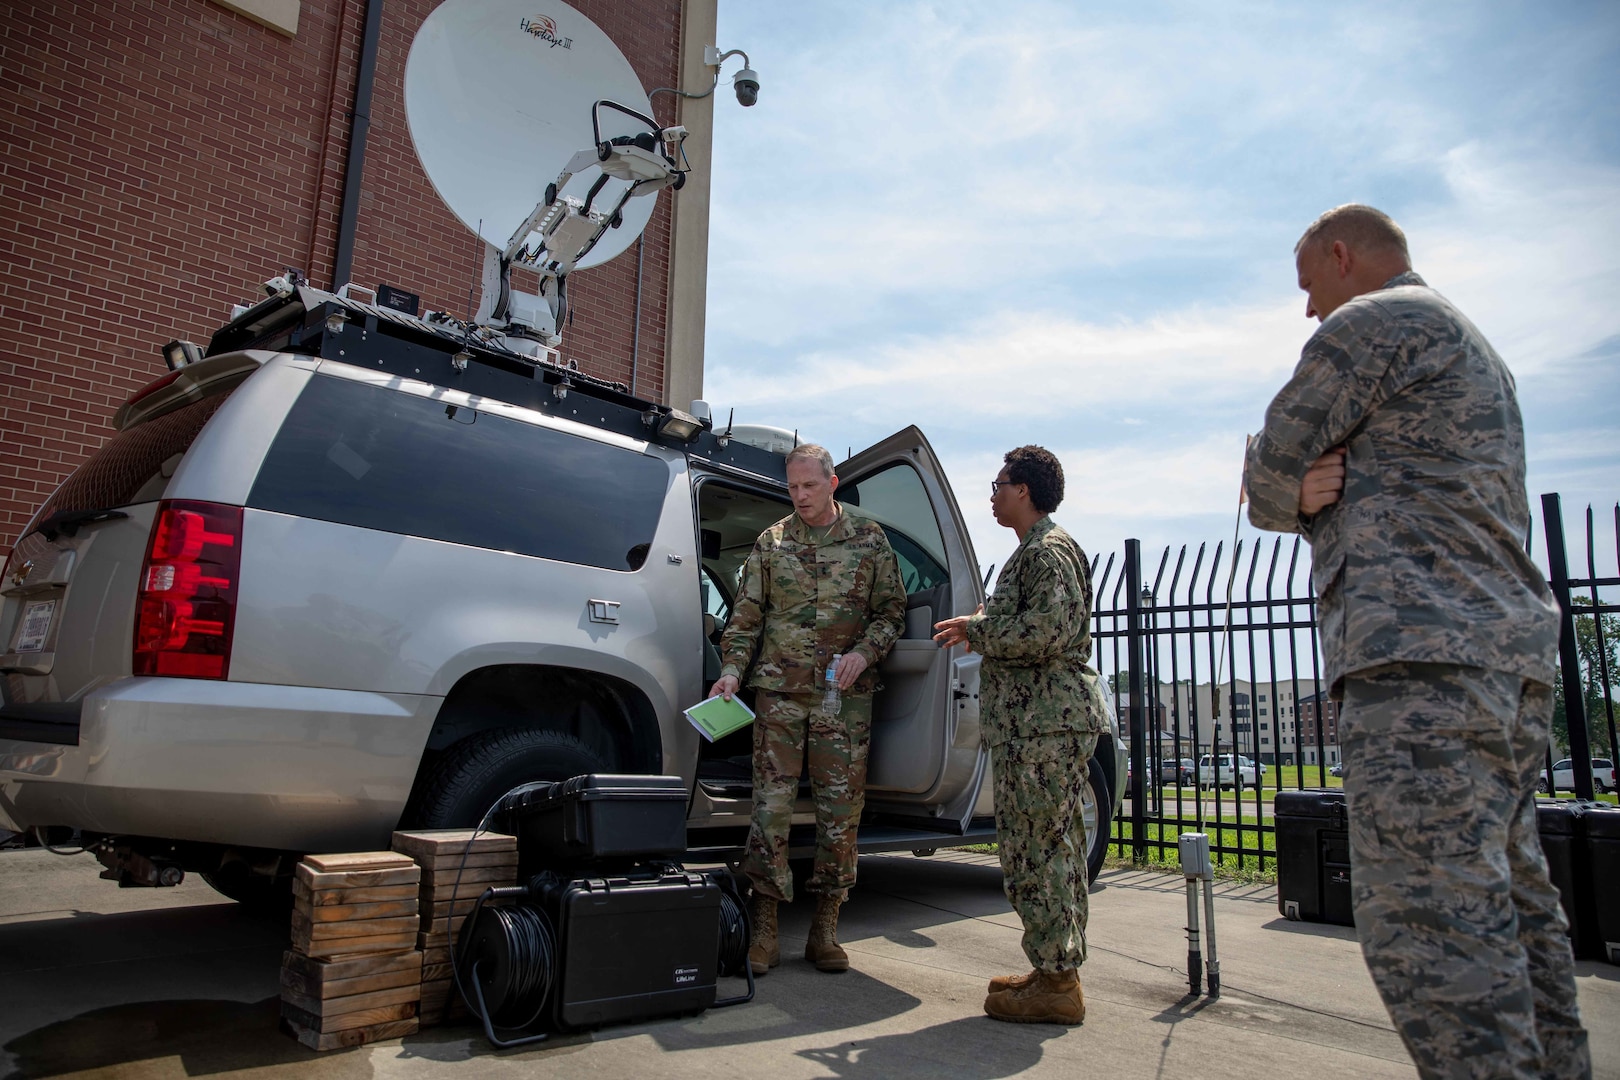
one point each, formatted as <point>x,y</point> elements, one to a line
<point>717,717</point>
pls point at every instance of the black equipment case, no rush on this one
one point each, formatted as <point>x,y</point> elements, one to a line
<point>1563,825</point>
<point>634,946</point>
<point>1313,856</point>
<point>1603,848</point>
<point>599,816</point>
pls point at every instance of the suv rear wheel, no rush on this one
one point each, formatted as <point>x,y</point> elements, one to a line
<point>468,780</point>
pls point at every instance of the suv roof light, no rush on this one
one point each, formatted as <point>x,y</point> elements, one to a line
<point>185,612</point>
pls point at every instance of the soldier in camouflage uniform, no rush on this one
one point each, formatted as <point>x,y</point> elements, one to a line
<point>821,582</point>
<point>1398,451</point>
<point>1041,712</point>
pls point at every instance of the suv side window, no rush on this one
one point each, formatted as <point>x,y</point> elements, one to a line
<point>134,466</point>
<point>379,459</point>
<point>896,499</point>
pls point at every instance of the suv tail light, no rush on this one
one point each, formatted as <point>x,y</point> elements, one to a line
<point>186,608</point>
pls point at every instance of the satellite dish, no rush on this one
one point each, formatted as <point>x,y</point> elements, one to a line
<point>499,97</point>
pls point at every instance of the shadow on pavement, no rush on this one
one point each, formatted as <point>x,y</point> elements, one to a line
<point>207,1036</point>
<point>974,1048</point>
<point>1327,930</point>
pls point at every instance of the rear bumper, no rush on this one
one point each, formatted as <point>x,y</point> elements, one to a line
<point>242,764</point>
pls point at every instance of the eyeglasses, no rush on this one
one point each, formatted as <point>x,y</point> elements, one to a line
<point>997,485</point>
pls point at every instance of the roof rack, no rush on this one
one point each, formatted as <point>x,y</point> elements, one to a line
<point>299,318</point>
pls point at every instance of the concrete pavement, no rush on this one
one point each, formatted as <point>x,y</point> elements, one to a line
<point>101,982</point>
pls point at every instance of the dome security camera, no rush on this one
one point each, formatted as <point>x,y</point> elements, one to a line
<point>746,83</point>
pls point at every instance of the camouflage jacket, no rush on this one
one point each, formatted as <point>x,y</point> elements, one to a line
<point>1035,637</point>
<point>801,601</point>
<point>1422,559</point>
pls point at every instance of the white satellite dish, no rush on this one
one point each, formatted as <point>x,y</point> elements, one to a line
<point>499,96</point>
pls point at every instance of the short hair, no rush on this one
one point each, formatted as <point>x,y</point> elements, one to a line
<point>811,452</point>
<point>1038,468</point>
<point>1361,227</point>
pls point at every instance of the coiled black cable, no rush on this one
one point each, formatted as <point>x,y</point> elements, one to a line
<point>531,950</point>
<point>736,935</point>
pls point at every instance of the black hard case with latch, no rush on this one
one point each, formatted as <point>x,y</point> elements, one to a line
<point>1603,849</point>
<point>632,946</point>
<point>596,817</point>
<point>1564,825</point>
<point>1313,856</point>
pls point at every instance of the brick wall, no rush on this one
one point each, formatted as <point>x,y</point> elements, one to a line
<point>164,157</point>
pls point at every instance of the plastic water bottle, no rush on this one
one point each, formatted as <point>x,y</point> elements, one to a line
<point>829,699</point>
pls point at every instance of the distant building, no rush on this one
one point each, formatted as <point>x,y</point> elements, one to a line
<point>1258,720</point>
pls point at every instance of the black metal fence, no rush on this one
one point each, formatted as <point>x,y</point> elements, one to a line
<point>1216,670</point>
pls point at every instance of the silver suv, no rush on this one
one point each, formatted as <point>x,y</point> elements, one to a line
<point>356,570</point>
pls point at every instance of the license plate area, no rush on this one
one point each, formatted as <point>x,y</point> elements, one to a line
<point>31,643</point>
<point>34,628</point>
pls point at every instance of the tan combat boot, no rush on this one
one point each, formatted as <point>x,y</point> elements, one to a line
<point>1050,997</point>
<point>764,952</point>
<point>999,983</point>
<point>822,947</point>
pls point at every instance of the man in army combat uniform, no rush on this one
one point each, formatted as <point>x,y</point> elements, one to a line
<point>820,583</point>
<point>1397,449</point>
<point>1041,712</point>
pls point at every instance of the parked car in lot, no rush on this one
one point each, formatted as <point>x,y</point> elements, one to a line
<point>1563,776</point>
<point>354,570</point>
<point>1337,769</point>
<point>1229,770</point>
<point>1177,771</point>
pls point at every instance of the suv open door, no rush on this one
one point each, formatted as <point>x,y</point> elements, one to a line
<point>926,764</point>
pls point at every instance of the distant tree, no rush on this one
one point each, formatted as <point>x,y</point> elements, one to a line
<point>1586,650</point>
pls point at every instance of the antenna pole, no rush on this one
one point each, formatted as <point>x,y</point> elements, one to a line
<point>354,171</point>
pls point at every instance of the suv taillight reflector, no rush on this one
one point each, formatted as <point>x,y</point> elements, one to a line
<point>186,608</point>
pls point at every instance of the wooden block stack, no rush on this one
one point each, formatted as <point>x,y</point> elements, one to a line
<point>445,904</point>
<point>353,974</point>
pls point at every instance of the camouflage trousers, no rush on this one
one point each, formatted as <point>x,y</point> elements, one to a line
<point>1042,836</point>
<point>1459,924</point>
<point>787,727</point>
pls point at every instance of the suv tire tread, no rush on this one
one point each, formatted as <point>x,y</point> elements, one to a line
<point>465,783</point>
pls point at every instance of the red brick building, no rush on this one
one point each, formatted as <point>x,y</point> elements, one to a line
<point>1319,709</point>
<point>164,157</point>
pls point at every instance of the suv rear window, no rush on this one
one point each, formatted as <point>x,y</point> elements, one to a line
<point>134,466</point>
<point>381,459</point>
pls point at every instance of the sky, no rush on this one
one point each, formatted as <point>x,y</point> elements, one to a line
<point>1072,224</point>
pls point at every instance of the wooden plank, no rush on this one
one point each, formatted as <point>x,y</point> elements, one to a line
<point>339,897</point>
<point>447,907</point>
<point>436,842</point>
<point>344,862</point>
<point>313,972</point>
<point>337,1040</point>
<point>435,957</point>
<point>303,927</point>
<point>356,946</point>
<point>357,879</point>
<point>326,1007</point>
<point>427,943</point>
<point>383,1014</point>
<point>365,984</point>
<point>389,909</point>
<point>448,925</point>
<point>432,973</point>
<point>452,862</point>
<point>433,892</point>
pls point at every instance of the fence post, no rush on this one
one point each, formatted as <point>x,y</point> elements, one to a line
<point>1580,751</point>
<point>1136,712</point>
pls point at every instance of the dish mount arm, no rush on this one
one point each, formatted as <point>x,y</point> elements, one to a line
<point>562,229</point>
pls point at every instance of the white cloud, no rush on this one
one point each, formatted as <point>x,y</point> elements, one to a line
<point>1071,225</point>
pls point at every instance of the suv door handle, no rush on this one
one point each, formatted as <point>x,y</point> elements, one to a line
<point>603,611</point>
